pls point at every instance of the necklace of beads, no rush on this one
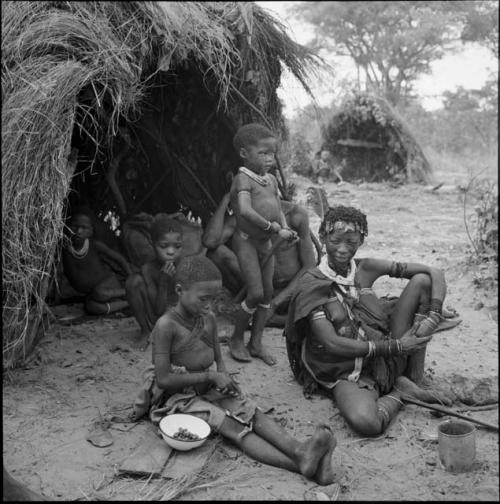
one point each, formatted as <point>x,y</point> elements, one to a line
<point>260,179</point>
<point>80,254</point>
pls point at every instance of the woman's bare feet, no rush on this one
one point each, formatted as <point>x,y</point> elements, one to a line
<point>238,350</point>
<point>142,342</point>
<point>325,474</point>
<point>310,452</point>
<point>261,353</point>
<point>449,312</point>
<point>409,388</point>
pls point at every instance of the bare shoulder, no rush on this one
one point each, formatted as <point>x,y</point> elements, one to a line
<point>297,216</point>
<point>241,182</point>
<point>166,323</point>
<point>165,328</point>
<point>373,265</point>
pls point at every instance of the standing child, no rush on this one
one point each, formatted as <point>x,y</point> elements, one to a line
<point>256,204</point>
<point>188,375</point>
<point>86,271</point>
<point>152,290</point>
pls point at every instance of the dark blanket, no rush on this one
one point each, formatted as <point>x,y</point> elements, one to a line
<point>371,313</point>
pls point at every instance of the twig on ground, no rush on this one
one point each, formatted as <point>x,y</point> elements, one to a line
<point>84,494</point>
<point>486,407</point>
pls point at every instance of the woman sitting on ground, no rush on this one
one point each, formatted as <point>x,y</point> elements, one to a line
<point>366,351</point>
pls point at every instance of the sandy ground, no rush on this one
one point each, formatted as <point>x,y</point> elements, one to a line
<point>82,370</point>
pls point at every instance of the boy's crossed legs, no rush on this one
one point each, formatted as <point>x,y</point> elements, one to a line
<point>258,280</point>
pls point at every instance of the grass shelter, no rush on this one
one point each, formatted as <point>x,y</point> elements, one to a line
<point>126,107</point>
<point>371,142</point>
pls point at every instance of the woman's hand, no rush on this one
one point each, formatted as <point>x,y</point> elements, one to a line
<point>410,343</point>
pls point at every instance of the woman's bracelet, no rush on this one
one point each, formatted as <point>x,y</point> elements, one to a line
<point>371,349</point>
<point>268,227</point>
<point>385,348</point>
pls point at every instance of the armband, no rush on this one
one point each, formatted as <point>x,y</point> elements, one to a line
<point>371,349</point>
<point>398,270</point>
<point>244,191</point>
<point>317,315</point>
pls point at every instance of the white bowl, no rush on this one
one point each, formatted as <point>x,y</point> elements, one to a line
<point>170,424</point>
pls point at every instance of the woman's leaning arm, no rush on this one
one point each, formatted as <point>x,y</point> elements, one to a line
<point>325,335</point>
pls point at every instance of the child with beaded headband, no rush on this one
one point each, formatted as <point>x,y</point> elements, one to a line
<point>255,201</point>
<point>366,350</point>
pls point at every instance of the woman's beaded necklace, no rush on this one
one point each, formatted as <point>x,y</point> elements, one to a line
<point>80,254</point>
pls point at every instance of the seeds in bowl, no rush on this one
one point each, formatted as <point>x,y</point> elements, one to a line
<point>185,435</point>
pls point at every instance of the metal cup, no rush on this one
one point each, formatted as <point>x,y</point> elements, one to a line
<point>457,445</point>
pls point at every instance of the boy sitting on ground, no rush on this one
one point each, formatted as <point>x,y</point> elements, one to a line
<point>86,271</point>
<point>151,291</point>
<point>188,375</point>
<point>255,201</point>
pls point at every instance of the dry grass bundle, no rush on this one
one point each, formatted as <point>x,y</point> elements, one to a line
<point>84,68</point>
<point>48,58</point>
<point>373,143</point>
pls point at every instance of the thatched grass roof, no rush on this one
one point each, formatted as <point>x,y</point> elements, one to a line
<point>373,143</point>
<point>75,74</point>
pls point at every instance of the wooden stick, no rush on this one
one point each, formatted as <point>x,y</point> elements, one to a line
<point>485,407</point>
<point>448,411</point>
<point>283,187</point>
<point>286,197</point>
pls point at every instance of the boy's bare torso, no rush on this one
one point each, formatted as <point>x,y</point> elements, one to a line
<point>264,201</point>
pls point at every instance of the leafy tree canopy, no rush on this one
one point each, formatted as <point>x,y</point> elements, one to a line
<point>479,21</point>
<point>392,43</point>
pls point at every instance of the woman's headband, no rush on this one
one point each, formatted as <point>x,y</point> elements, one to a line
<point>343,226</point>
